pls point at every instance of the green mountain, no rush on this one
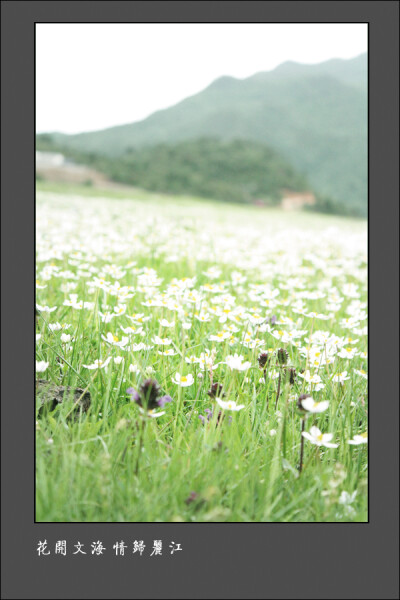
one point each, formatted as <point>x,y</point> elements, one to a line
<point>315,116</point>
<point>235,171</point>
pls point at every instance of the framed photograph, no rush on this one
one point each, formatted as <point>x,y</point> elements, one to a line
<point>198,203</point>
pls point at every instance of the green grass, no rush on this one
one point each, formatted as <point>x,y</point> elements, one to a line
<point>111,464</point>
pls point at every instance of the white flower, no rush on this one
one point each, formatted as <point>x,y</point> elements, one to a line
<point>319,439</point>
<point>114,340</point>
<point>155,415</point>
<point>161,341</point>
<point>170,352</point>
<point>192,359</point>
<point>57,326</point>
<point>348,353</point>
<point>203,318</point>
<point>106,317</point>
<point>152,413</point>
<point>273,375</point>
<point>65,338</point>
<point>206,360</point>
<point>98,364</point>
<point>139,347</point>
<point>229,405</point>
<point>213,272</point>
<point>132,330</point>
<point>219,337</point>
<point>183,380</point>
<point>236,362</point>
<point>315,379</point>
<point>272,432</point>
<point>359,439</point>
<point>311,406</point>
<point>138,318</point>
<point>340,377</point>
<point>282,336</point>
<point>346,498</point>
<point>133,369</point>
<point>120,310</point>
<point>361,372</point>
<point>118,360</point>
<point>41,366</point>
<point>46,308</point>
<point>314,315</point>
<point>165,323</point>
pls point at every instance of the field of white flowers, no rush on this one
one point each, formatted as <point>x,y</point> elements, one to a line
<point>224,349</point>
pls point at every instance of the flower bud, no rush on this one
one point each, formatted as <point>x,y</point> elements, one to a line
<point>263,360</point>
<point>282,356</point>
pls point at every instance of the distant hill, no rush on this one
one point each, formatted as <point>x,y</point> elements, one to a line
<point>235,171</point>
<point>315,116</point>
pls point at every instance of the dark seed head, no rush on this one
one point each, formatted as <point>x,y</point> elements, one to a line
<point>263,360</point>
<point>149,392</point>
<point>215,391</point>
<point>290,374</point>
<point>148,395</point>
<point>282,356</point>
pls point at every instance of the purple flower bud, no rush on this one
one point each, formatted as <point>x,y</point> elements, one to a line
<point>193,496</point>
<point>163,400</point>
<point>134,394</point>
<point>148,395</point>
<point>208,417</point>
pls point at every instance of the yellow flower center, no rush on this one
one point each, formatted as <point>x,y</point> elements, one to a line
<point>183,379</point>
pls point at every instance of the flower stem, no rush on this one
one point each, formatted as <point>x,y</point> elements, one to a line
<point>141,435</point>
<point>178,407</point>
<point>303,422</point>
<point>278,391</point>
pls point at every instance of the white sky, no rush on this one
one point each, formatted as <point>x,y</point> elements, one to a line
<point>92,76</point>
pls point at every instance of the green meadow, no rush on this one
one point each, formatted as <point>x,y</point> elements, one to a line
<point>224,348</point>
